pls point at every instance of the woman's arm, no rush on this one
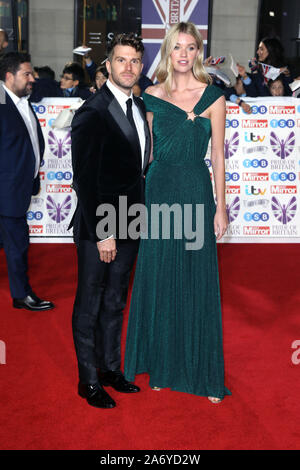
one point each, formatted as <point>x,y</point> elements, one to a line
<point>217,117</point>
<point>150,119</point>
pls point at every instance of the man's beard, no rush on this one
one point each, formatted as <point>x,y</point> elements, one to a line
<point>124,85</point>
<point>23,92</point>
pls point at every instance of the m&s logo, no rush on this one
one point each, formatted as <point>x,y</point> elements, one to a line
<point>253,137</point>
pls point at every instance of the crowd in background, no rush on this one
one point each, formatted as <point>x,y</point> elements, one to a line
<point>253,83</point>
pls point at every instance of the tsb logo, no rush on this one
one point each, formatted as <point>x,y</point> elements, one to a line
<point>232,176</point>
<point>283,176</point>
<point>39,109</point>
<point>256,217</point>
<point>282,123</point>
<point>59,175</point>
<point>263,163</point>
<point>34,215</point>
<point>259,109</point>
<point>232,123</point>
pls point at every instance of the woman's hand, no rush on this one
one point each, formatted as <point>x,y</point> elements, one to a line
<point>285,71</point>
<point>220,223</point>
<point>242,71</point>
<point>246,107</point>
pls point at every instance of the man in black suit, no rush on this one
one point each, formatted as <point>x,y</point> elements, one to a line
<point>110,150</point>
<point>21,151</point>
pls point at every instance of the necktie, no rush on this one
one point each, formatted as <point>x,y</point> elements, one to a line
<point>131,120</point>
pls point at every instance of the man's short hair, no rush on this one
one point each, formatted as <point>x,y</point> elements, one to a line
<point>11,61</point>
<point>125,39</point>
<point>74,69</point>
<point>6,38</point>
<point>45,72</point>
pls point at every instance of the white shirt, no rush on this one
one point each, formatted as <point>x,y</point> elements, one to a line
<point>121,97</point>
<point>24,109</point>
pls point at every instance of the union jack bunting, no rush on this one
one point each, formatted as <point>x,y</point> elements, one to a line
<point>269,72</point>
<point>218,60</point>
<point>159,15</point>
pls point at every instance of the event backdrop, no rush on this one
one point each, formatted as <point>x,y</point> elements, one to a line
<point>159,15</point>
<point>262,158</point>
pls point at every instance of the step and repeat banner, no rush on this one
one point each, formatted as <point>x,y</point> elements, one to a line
<point>262,163</point>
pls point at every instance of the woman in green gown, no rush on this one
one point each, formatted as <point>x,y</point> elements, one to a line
<point>175,325</point>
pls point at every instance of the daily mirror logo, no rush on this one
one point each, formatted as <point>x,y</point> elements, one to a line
<point>255,176</point>
<point>254,123</point>
<point>282,109</point>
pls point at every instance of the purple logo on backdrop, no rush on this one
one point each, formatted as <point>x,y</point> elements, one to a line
<point>58,212</point>
<point>59,147</point>
<point>233,209</point>
<point>158,15</point>
<point>282,148</point>
<point>231,145</point>
<point>284,213</point>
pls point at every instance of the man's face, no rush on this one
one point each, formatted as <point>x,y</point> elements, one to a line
<point>21,83</point>
<point>125,67</point>
<point>3,43</point>
<point>67,81</point>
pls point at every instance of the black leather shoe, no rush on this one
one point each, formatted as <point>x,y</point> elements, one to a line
<point>95,395</point>
<point>32,302</point>
<point>117,380</point>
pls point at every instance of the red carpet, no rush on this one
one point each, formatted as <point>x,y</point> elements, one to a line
<point>41,410</point>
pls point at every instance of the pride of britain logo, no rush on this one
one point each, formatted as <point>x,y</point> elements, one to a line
<point>282,148</point>
<point>59,147</point>
<point>58,211</point>
<point>231,145</point>
<point>233,209</point>
<point>284,213</point>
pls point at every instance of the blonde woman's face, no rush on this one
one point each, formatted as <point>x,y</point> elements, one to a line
<point>185,53</point>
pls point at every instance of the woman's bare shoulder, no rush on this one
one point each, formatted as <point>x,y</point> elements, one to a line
<point>155,90</point>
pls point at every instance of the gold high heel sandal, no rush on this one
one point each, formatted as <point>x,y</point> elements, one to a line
<point>214,400</point>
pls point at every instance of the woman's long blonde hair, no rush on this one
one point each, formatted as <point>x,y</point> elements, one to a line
<point>164,71</point>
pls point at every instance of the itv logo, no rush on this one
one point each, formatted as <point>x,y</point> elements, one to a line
<point>251,137</point>
<point>253,191</point>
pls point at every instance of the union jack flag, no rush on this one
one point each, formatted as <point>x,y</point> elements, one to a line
<point>159,15</point>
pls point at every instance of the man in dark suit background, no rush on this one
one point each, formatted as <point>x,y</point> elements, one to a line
<point>21,150</point>
<point>72,82</point>
<point>110,151</point>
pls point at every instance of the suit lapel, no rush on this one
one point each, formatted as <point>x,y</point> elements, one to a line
<point>39,133</point>
<point>141,107</point>
<point>121,120</point>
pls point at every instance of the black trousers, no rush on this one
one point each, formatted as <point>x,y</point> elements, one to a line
<point>14,236</point>
<point>98,308</point>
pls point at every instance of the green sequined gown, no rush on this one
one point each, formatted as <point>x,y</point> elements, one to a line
<point>175,327</point>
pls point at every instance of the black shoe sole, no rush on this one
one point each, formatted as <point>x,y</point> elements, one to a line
<point>33,309</point>
<point>104,407</point>
<point>106,384</point>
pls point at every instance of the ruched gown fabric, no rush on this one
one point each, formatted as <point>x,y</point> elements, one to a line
<point>175,326</point>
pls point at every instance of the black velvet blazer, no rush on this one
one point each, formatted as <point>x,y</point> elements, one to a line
<point>106,160</point>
